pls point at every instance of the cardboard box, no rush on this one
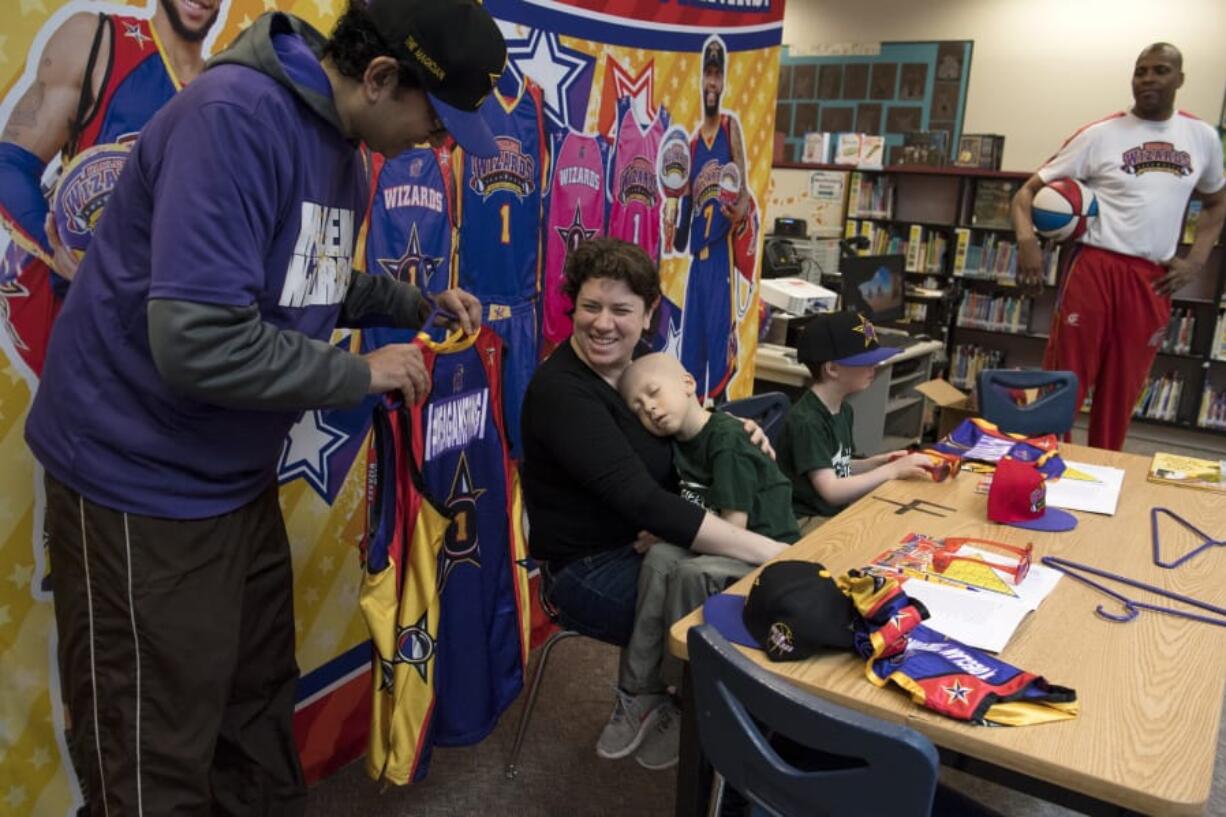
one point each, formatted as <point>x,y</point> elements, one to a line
<point>953,405</point>
<point>797,296</point>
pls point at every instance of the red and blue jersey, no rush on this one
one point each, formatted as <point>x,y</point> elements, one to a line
<point>138,82</point>
<point>707,160</point>
<point>502,202</point>
<point>977,439</point>
<point>446,586</point>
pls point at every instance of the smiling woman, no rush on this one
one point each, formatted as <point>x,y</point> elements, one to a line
<point>596,482</point>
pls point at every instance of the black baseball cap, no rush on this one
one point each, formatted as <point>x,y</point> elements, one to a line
<point>713,54</point>
<point>846,338</point>
<point>795,609</point>
<point>458,53</point>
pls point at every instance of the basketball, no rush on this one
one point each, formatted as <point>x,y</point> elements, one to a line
<point>1062,209</point>
<point>674,169</point>
<point>82,192</point>
<point>729,184</point>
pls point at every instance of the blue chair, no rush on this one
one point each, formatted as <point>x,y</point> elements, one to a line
<point>1052,413</point>
<point>880,768</point>
<point>767,410</point>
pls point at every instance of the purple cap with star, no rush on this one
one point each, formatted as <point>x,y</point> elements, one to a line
<point>846,338</point>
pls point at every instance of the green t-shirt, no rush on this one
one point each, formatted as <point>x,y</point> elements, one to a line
<point>721,470</point>
<point>813,439</point>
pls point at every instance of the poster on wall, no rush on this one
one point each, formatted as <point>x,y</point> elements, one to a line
<point>663,109</point>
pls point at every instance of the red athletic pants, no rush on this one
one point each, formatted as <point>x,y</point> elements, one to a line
<point>1107,328</point>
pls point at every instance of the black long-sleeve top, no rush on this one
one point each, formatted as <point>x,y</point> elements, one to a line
<point>593,476</point>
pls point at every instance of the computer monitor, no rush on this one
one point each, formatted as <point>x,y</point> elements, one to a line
<point>874,285</point>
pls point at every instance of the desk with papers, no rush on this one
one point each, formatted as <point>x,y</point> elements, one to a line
<point>1150,691</point>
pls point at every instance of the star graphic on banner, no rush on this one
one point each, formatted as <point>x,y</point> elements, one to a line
<point>672,345</point>
<point>25,678</point>
<point>30,6</point>
<point>323,8</point>
<point>412,267</point>
<point>41,757</point>
<point>619,82</point>
<point>552,66</point>
<point>311,441</point>
<point>574,233</point>
<point>325,564</point>
<point>245,23</point>
<point>4,57</point>
<point>20,575</point>
<point>270,5</point>
<point>957,692</point>
<point>310,595</point>
<point>133,32</point>
<point>4,615</point>
<point>16,796</point>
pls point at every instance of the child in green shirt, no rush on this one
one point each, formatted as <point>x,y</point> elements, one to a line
<point>841,352</point>
<point>720,469</point>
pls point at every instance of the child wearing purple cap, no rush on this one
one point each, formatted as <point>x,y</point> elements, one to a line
<point>815,448</point>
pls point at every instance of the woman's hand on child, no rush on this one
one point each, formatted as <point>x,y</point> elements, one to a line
<point>644,541</point>
<point>758,437</point>
<point>911,466</point>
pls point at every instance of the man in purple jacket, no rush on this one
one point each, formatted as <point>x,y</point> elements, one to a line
<point>196,330</point>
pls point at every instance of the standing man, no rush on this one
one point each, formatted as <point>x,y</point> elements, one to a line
<point>1115,300</point>
<point>717,159</point>
<point>195,332</point>
<point>99,79</point>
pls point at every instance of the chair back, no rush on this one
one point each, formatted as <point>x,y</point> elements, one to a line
<point>767,410</point>
<point>1052,413</point>
<point>890,770</point>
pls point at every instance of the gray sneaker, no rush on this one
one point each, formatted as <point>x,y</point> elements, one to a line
<point>633,716</point>
<point>663,742</point>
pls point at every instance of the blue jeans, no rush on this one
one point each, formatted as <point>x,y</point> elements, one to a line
<point>596,595</point>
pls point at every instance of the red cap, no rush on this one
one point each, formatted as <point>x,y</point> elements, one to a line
<point>1018,497</point>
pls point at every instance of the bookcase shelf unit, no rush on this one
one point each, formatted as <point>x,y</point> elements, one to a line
<point>984,319</point>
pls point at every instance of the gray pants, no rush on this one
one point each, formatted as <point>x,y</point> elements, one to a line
<point>672,582</point>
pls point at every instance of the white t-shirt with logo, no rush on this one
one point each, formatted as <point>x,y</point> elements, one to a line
<point>1143,173</point>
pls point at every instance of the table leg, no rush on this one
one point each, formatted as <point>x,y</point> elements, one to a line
<point>694,773</point>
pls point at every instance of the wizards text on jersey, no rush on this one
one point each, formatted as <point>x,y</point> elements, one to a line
<point>638,182</point>
<point>511,170</point>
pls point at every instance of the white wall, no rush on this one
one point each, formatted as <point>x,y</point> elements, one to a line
<point>1040,68</point>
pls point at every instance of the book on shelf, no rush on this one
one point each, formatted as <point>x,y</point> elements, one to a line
<point>1159,399</point>
<point>1212,412</point>
<point>994,313</point>
<point>870,195</point>
<point>818,148</point>
<point>930,148</point>
<point>991,204</point>
<point>847,149</point>
<point>1179,331</point>
<point>872,150</point>
<point>1218,350</point>
<point>980,150</point>
<point>1189,223</point>
<point>915,249</point>
<point>967,361</point>
<point>1188,472</point>
<point>962,243</point>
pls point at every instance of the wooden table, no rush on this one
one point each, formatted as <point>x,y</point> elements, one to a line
<point>1150,691</point>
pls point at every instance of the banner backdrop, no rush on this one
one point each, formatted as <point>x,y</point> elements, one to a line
<point>703,221</point>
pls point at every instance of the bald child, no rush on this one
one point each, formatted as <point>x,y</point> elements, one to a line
<point>719,468</point>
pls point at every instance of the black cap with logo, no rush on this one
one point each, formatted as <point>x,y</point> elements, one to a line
<point>458,53</point>
<point>795,609</point>
<point>846,338</point>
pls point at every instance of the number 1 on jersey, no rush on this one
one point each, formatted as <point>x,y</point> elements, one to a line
<point>637,218</point>
<point>504,212</point>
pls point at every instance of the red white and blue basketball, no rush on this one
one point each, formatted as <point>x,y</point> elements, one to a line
<point>674,160</point>
<point>83,190</point>
<point>1061,210</point>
